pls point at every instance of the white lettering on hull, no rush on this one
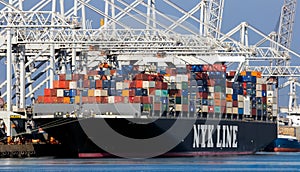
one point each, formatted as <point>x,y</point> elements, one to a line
<point>223,136</point>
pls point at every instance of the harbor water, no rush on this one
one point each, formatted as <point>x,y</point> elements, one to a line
<point>258,162</point>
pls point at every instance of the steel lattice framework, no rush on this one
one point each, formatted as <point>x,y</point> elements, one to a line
<point>38,41</point>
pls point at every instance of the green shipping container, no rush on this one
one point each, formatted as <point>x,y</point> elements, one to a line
<point>147,107</point>
<point>184,85</point>
<point>178,100</point>
<point>217,109</point>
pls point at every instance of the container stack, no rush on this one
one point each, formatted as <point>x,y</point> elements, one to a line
<point>197,90</point>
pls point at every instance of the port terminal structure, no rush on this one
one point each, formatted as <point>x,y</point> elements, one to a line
<point>39,41</point>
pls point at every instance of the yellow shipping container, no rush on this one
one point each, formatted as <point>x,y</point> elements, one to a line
<point>125,93</point>
<point>77,99</point>
<point>91,93</point>
<point>243,73</point>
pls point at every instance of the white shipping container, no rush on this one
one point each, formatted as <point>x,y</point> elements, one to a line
<point>97,93</point>
<point>111,99</point>
<point>259,81</point>
<point>241,98</point>
<point>204,108</point>
<point>228,110</point>
<point>73,85</point>
<point>258,93</point>
<point>184,78</point>
<point>247,106</point>
<point>229,104</point>
<point>270,93</point>
<point>211,89</point>
<point>235,110</point>
<point>119,85</point>
<point>240,104</point>
<point>179,86</point>
<point>258,87</point>
<point>172,79</point>
<point>229,90</point>
<point>103,92</point>
<point>275,106</point>
<point>178,107</point>
<point>178,78</point>
<point>125,85</point>
<point>60,93</point>
<point>145,84</point>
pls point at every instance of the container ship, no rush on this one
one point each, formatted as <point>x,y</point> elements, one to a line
<point>158,107</point>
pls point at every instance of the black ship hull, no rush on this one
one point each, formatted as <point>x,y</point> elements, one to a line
<point>135,138</point>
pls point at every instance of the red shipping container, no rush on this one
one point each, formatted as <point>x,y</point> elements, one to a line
<point>210,109</point>
<point>47,92</point>
<point>164,86</point>
<point>131,99</point>
<point>151,91</point>
<point>253,111</point>
<point>146,100</point>
<point>64,84</point>
<point>244,85</point>
<point>92,100</point>
<point>86,83</point>
<point>99,83</point>
<point>139,76</point>
<point>62,77</point>
<point>185,108</point>
<point>264,100</point>
<point>158,84</point>
<point>228,84</point>
<point>179,93</point>
<point>60,99</point>
<point>235,103</point>
<point>264,87</point>
<point>172,92</point>
<point>119,99</point>
<point>203,95</point>
<point>50,100</point>
<point>131,92</point>
<point>132,84</point>
<point>137,99</point>
<point>157,106</point>
<point>98,99</point>
<point>104,99</point>
<point>85,100</point>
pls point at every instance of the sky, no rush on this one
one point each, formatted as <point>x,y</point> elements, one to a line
<point>261,14</point>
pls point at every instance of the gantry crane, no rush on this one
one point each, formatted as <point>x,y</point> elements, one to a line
<point>41,41</point>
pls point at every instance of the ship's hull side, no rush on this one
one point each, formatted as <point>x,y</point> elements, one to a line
<point>220,137</point>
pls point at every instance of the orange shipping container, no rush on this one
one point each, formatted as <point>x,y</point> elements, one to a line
<point>139,84</point>
<point>55,84</point>
<point>66,100</point>
<point>243,73</point>
<point>228,97</point>
<point>99,83</point>
<point>254,73</point>
<point>40,99</point>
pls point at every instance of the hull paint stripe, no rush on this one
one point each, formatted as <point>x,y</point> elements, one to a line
<point>171,154</point>
<point>286,149</point>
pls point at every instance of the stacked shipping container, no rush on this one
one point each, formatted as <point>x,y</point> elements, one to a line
<point>202,90</point>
